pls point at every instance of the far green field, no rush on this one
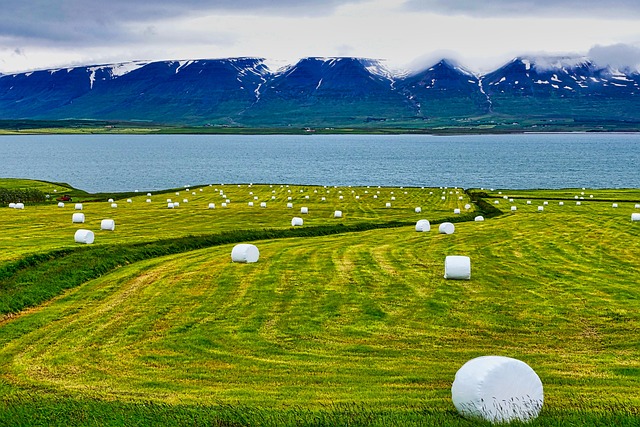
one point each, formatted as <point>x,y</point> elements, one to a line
<point>354,328</point>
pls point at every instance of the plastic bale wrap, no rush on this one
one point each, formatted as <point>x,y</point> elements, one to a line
<point>263,204</point>
<point>245,252</point>
<point>456,211</point>
<point>540,208</point>
<point>12,205</point>
<point>388,205</point>
<point>615,205</point>
<point>337,214</point>
<point>114,205</point>
<point>129,201</point>
<point>61,204</point>
<point>212,205</point>
<point>637,206</point>
<point>304,210</point>
<point>423,225</point>
<point>84,236</point>
<point>446,228</point>
<point>467,206</point>
<point>418,210</point>
<point>170,205</point>
<point>514,208</point>
<point>497,389</point>
<point>289,205</point>
<point>560,203</point>
<point>107,224</point>
<point>635,217</point>
<point>479,218</point>
<point>148,200</point>
<point>457,267</point>
<point>19,206</point>
<point>77,218</point>
<point>250,204</point>
<point>296,221</point>
<point>78,206</point>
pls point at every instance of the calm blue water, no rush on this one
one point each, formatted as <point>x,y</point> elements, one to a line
<point>150,162</point>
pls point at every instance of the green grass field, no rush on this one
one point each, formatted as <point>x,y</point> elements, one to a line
<point>333,326</point>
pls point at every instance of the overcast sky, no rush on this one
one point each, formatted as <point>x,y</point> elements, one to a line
<point>480,34</point>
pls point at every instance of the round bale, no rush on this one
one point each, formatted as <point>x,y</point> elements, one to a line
<point>446,228</point>
<point>423,225</point>
<point>170,205</point>
<point>77,218</point>
<point>304,210</point>
<point>245,252</point>
<point>296,221</point>
<point>418,209</point>
<point>78,206</point>
<point>456,211</point>
<point>337,214</point>
<point>635,217</point>
<point>479,218</point>
<point>107,224</point>
<point>212,205</point>
<point>457,267</point>
<point>61,204</point>
<point>19,206</point>
<point>497,389</point>
<point>84,236</point>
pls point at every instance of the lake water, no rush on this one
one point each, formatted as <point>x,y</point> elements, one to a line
<point>106,163</point>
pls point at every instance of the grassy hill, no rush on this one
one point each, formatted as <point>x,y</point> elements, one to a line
<point>342,324</point>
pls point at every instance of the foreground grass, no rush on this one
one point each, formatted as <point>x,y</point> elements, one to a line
<point>350,329</point>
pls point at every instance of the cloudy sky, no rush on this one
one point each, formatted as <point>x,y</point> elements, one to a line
<point>480,34</point>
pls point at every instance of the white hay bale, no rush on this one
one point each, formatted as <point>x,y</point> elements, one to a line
<point>635,217</point>
<point>77,218</point>
<point>290,205</point>
<point>110,200</point>
<point>129,201</point>
<point>255,198</point>
<point>304,210</point>
<point>460,198</point>
<point>273,197</point>
<point>212,205</point>
<point>497,389</point>
<point>148,194</point>
<point>84,236</point>
<point>388,205</point>
<point>357,197</point>
<point>528,202</point>
<point>375,196</point>
<point>185,200</point>
<point>418,209</point>
<point>78,206</point>
<point>223,204</point>
<point>446,228</point>
<point>578,203</point>
<point>107,224</point>
<point>457,267</point>
<point>170,205</point>
<point>250,204</point>
<point>456,211</point>
<point>245,252</point>
<point>12,205</point>
<point>323,199</point>
<point>289,198</point>
<point>393,199</point>
<point>337,214</point>
<point>423,225</point>
<point>169,200</point>
<point>467,206</point>
<point>177,193</point>
<point>176,204</point>
<point>296,221</point>
<point>540,208</point>
<point>479,218</point>
<point>19,206</point>
<point>514,208</point>
<point>545,203</point>
<point>576,197</point>
<point>263,204</point>
<point>497,202</point>
<point>114,205</point>
<point>307,197</point>
<point>443,198</point>
<point>505,197</point>
<point>615,205</point>
<point>61,204</point>
<point>560,203</point>
<point>251,193</point>
<point>510,200</point>
<point>228,201</point>
<point>341,197</point>
<point>637,206</point>
<point>148,200</point>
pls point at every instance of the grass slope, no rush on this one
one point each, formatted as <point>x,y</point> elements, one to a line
<point>355,328</point>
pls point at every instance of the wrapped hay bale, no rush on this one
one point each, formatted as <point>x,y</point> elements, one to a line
<point>497,389</point>
<point>78,206</point>
<point>479,218</point>
<point>375,196</point>
<point>170,205</point>
<point>289,205</point>
<point>337,214</point>
<point>393,198</point>
<point>148,194</point>
<point>185,200</point>
<point>12,205</point>
<point>129,201</point>
<point>148,200</point>
<point>296,221</point>
<point>615,205</point>
<point>223,204</point>
<point>457,267</point>
<point>446,228</point>
<point>514,208</point>
<point>61,204</point>
<point>456,211</point>
<point>77,218</point>
<point>418,209</point>
<point>19,206</point>
<point>114,205</point>
<point>176,204</point>
<point>323,199</point>
<point>245,252</point>
<point>528,202</point>
<point>212,205</point>
<point>560,203</point>
<point>578,203</point>
<point>169,200</point>
<point>467,206</point>
<point>637,206</point>
<point>423,225</point>
<point>388,205</point>
<point>545,203</point>
<point>250,204</point>
<point>107,224</point>
<point>635,217</point>
<point>110,200</point>
<point>84,236</point>
<point>263,204</point>
<point>497,202</point>
<point>304,210</point>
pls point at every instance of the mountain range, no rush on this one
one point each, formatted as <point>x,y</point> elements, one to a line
<point>330,92</point>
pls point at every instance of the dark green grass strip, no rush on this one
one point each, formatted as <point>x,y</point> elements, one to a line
<point>38,411</point>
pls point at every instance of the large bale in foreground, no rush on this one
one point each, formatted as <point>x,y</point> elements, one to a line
<point>84,236</point>
<point>446,228</point>
<point>457,267</point>
<point>497,389</point>
<point>107,224</point>
<point>245,252</point>
<point>423,225</point>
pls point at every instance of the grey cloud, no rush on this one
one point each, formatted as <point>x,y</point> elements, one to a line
<point>528,8</point>
<point>621,56</point>
<point>84,22</point>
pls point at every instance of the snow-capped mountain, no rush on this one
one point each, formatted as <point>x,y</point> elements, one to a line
<point>321,91</point>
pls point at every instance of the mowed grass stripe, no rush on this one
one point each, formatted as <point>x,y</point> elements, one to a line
<point>363,317</point>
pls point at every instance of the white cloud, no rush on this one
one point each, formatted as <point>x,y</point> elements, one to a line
<point>621,56</point>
